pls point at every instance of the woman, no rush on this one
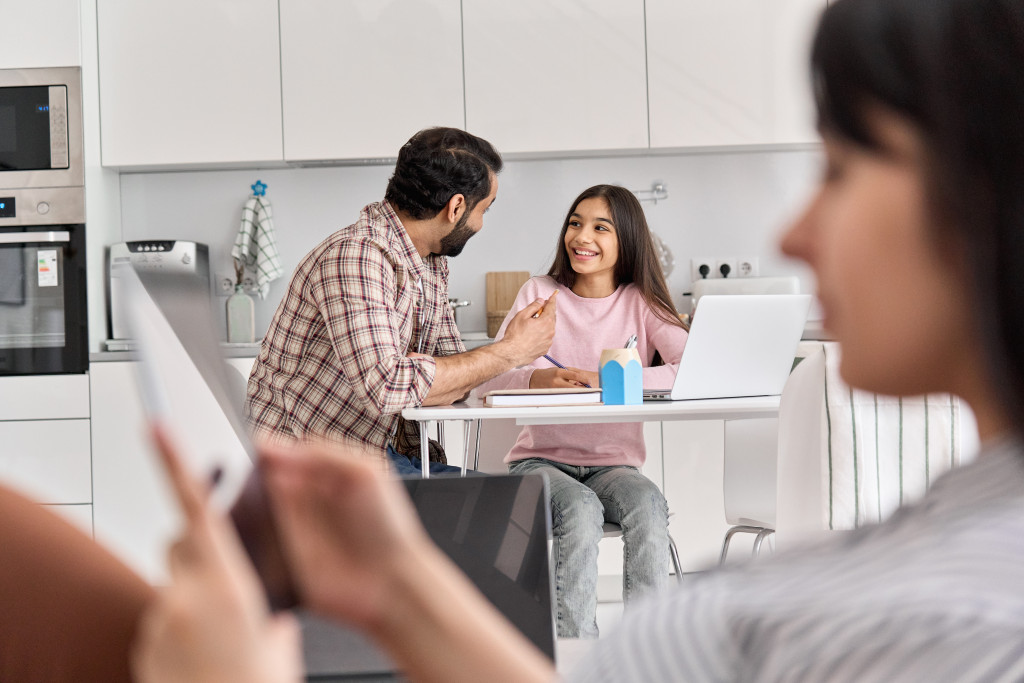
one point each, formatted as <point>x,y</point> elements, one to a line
<point>915,236</point>
<point>609,287</point>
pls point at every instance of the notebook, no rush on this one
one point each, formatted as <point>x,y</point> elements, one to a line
<point>739,345</point>
<point>542,397</point>
<point>495,528</point>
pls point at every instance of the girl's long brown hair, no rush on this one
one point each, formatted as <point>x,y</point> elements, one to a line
<point>638,262</point>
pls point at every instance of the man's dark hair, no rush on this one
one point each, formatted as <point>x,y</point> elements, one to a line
<point>435,165</point>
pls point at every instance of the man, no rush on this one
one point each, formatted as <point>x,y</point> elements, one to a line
<point>365,329</point>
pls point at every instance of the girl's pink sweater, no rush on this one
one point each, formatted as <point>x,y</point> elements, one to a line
<point>584,328</point>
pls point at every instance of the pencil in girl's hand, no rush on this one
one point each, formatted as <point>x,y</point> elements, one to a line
<point>553,361</point>
<point>557,364</point>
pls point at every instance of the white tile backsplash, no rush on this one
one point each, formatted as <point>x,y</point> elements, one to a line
<point>719,204</point>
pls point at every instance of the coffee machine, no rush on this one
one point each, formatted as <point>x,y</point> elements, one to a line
<point>166,256</point>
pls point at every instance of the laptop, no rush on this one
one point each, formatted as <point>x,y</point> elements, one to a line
<point>496,528</point>
<point>739,345</point>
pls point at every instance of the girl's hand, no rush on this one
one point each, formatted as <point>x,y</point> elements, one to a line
<point>559,378</point>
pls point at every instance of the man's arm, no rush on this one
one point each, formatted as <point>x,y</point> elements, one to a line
<point>527,337</point>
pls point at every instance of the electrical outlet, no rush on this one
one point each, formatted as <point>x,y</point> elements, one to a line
<point>746,266</point>
<point>695,266</point>
<point>224,284</point>
<point>725,267</point>
<point>249,285</point>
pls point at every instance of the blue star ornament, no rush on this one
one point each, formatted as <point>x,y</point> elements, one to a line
<point>259,188</point>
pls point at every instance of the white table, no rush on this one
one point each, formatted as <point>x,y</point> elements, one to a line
<point>657,411</point>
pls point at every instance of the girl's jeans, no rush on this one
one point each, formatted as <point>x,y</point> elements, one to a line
<point>582,499</point>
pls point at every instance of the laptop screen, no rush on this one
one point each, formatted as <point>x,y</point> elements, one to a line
<point>496,529</point>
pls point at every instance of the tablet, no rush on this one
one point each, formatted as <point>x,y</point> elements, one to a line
<point>182,381</point>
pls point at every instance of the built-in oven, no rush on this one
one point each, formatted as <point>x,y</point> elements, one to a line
<point>43,309</point>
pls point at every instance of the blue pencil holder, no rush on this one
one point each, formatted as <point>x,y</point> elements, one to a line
<point>622,377</point>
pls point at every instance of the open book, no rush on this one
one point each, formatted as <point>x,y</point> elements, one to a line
<point>542,397</point>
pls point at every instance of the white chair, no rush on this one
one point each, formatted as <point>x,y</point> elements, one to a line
<point>842,458</point>
<point>849,458</point>
<point>495,438</point>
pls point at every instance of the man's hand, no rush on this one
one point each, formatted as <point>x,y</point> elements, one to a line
<point>528,335</point>
<point>563,378</point>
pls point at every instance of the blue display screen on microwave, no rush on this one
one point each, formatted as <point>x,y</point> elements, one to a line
<point>6,207</point>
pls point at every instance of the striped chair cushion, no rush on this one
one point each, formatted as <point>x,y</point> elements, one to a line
<point>879,451</point>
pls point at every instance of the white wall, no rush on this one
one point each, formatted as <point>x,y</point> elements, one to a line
<point>719,204</point>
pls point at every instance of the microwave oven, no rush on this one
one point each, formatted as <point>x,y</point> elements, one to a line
<point>41,128</point>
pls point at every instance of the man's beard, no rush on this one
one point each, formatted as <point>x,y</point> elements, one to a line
<point>453,243</point>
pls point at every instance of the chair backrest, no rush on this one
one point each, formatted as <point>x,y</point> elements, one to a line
<point>847,457</point>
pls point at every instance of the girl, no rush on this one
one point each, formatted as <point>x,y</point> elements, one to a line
<point>610,286</point>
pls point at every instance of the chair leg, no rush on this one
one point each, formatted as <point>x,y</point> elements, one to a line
<point>674,554</point>
<point>761,536</point>
<point>732,532</point>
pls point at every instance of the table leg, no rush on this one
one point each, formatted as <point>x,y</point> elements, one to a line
<point>425,427</point>
<point>476,453</point>
<point>465,446</point>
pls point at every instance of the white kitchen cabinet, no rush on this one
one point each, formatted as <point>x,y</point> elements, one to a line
<point>44,397</point>
<point>189,82</point>
<point>693,464</point>
<point>730,73</point>
<point>545,76</point>
<point>359,77</point>
<point>134,510</point>
<point>79,515</point>
<point>40,33</point>
<point>47,460</point>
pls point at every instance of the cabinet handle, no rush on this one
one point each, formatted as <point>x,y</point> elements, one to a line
<point>34,237</point>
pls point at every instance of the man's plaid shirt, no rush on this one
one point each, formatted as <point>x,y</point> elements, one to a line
<point>334,364</point>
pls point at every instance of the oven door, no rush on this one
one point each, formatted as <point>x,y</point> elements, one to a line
<point>43,316</point>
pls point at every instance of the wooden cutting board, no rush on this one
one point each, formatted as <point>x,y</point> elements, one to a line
<point>502,287</point>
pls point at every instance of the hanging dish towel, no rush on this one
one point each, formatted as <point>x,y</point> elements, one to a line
<point>256,246</point>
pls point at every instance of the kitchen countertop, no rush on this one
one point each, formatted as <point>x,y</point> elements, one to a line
<point>228,350</point>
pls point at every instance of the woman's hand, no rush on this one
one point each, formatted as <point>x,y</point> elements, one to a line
<point>359,554</point>
<point>563,378</point>
<point>339,516</point>
<point>212,623</point>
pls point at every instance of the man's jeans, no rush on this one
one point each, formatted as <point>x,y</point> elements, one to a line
<point>582,499</point>
<point>411,467</point>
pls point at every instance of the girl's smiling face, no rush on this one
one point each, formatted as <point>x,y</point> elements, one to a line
<point>591,241</point>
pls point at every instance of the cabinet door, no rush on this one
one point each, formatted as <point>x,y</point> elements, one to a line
<point>48,460</point>
<point>44,397</point>
<point>730,73</point>
<point>40,33</point>
<point>189,82</point>
<point>134,512</point>
<point>550,76</point>
<point>79,515</point>
<point>359,77</point>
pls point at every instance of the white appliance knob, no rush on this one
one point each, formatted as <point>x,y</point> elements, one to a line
<point>43,208</point>
<point>186,259</point>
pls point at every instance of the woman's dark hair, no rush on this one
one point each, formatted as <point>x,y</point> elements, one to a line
<point>435,165</point>
<point>638,261</point>
<point>954,70</point>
